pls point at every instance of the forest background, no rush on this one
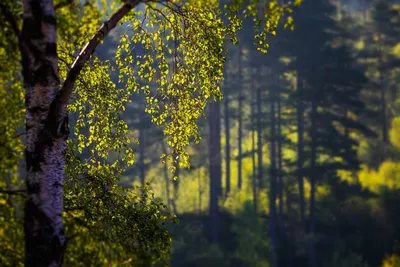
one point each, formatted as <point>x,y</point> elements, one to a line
<point>299,163</point>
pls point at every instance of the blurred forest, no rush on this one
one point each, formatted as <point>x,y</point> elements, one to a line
<point>299,163</point>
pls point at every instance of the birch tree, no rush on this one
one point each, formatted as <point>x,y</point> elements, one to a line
<point>181,52</point>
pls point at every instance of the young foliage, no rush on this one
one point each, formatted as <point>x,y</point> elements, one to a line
<point>171,51</point>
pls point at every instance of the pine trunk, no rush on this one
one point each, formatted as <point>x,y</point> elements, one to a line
<point>200,176</point>
<point>272,182</point>
<point>300,151</point>
<point>313,174</point>
<point>279,148</point>
<point>240,130</point>
<point>166,177</point>
<point>385,131</point>
<point>175,182</point>
<point>141,145</point>
<point>259,139</point>
<point>215,168</point>
<point>253,148</point>
<point>227,140</point>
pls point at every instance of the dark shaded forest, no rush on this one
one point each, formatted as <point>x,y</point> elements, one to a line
<point>297,165</point>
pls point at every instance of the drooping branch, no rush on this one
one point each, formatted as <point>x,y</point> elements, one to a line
<point>89,48</point>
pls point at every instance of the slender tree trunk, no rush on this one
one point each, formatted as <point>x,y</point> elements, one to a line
<point>240,130</point>
<point>47,126</point>
<point>167,186</point>
<point>300,150</point>
<point>200,176</point>
<point>279,148</point>
<point>142,155</point>
<point>218,158</point>
<point>227,139</point>
<point>215,168</point>
<point>313,260</point>
<point>385,131</point>
<point>166,178</point>
<point>272,182</point>
<point>259,139</point>
<point>253,147</point>
<point>175,182</point>
<point>46,134</point>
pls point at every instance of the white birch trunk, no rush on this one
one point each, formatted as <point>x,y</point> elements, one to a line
<point>46,134</point>
<point>47,126</point>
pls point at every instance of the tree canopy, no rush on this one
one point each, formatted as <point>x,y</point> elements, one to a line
<point>173,52</point>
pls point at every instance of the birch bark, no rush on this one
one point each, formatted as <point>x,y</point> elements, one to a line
<point>46,134</point>
<point>47,127</point>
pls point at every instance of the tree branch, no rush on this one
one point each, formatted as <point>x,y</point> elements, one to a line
<point>63,4</point>
<point>18,192</point>
<point>67,209</point>
<point>89,48</point>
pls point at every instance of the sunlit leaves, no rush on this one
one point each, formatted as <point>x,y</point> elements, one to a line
<point>387,176</point>
<point>98,153</point>
<point>11,146</point>
<point>174,53</point>
<point>266,16</point>
<point>126,225</point>
<point>177,59</point>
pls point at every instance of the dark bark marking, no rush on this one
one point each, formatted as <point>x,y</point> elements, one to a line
<point>36,109</point>
<point>30,29</point>
<point>42,74</point>
<point>37,10</point>
<point>33,188</point>
<point>46,241</point>
<point>32,161</point>
<point>51,49</point>
<point>57,126</point>
<point>52,129</point>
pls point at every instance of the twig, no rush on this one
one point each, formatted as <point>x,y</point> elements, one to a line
<point>63,4</point>
<point>20,192</point>
<point>73,209</point>
<point>89,48</point>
